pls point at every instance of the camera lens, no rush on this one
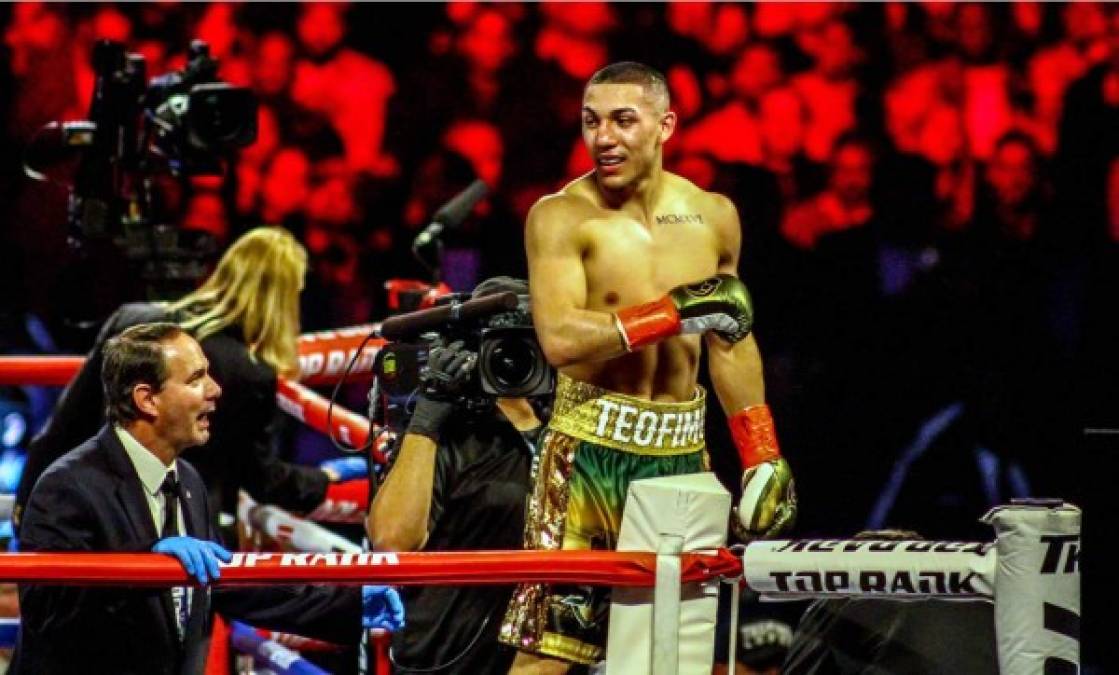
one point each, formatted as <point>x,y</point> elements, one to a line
<point>512,362</point>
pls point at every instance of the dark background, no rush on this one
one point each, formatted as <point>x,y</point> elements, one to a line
<point>929,196</point>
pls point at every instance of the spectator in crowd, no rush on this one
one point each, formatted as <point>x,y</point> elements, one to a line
<point>486,45</point>
<point>999,278</point>
<point>348,88</point>
<point>839,234</point>
<point>1053,68</point>
<point>844,205</point>
<point>719,28</point>
<point>732,133</point>
<point>829,89</point>
<point>286,185</point>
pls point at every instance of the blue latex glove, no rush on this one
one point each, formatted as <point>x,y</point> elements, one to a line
<point>381,608</point>
<point>345,468</point>
<point>11,468</point>
<point>8,531</point>
<point>198,557</point>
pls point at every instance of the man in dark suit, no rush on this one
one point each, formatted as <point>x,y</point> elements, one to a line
<point>127,490</point>
<point>246,317</point>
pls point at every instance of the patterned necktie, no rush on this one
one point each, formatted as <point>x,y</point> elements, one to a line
<point>171,493</point>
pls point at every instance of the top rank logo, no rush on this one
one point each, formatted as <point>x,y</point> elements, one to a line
<point>250,559</point>
<point>883,546</point>
<point>1062,554</point>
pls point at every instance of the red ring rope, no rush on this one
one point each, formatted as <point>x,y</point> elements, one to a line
<point>324,356</point>
<point>47,371</point>
<point>311,408</point>
<point>604,568</point>
<point>295,399</point>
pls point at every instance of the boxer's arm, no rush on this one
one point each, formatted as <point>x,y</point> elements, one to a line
<point>568,332</point>
<point>768,503</point>
<point>735,368</point>
<point>736,372</point>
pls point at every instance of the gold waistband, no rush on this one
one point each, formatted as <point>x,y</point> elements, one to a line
<point>628,423</point>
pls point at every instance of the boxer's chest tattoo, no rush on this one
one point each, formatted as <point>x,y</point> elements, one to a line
<point>679,218</point>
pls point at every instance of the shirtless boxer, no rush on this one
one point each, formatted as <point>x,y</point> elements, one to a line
<point>631,268</point>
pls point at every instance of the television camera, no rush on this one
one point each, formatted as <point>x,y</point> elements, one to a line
<point>179,124</point>
<point>498,327</point>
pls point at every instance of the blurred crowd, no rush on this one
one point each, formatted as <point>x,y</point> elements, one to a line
<point>929,191</point>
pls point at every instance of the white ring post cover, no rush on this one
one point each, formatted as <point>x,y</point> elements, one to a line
<point>696,508</point>
<point>666,606</point>
<point>1037,587</point>
<point>292,531</point>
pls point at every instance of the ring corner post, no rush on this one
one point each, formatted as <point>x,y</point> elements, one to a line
<point>668,516</point>
<point>1037,586</point>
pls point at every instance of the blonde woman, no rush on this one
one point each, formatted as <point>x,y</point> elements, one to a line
<point>246,317</point>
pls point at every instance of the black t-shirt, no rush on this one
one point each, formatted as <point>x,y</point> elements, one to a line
<point>481,487</point>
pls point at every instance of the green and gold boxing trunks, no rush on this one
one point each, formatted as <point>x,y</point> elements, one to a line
<point>596,443</point>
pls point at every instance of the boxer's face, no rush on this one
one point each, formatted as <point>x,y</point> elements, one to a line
<point>624,130</point>
<point>186,399</point>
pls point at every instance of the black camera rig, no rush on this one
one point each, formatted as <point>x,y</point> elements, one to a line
<point>179,124</point>
<point>511,363</point>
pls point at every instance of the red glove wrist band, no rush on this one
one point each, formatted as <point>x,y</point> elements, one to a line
<point>754,435</point>
<point>643,325</point>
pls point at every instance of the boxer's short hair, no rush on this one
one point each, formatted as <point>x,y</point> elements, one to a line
<point>632,72</point>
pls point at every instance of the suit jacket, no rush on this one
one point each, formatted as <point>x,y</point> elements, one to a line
<point>239,453</point>
<point>92,500</point>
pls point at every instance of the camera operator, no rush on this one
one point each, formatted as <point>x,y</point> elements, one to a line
<point>459,482</point>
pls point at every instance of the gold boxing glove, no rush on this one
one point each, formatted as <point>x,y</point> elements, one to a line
<point>768,505</point>
<point>769,502</point>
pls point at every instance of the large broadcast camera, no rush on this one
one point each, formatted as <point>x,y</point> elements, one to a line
<point>497,327</point>
<point>511,363</point>
<point>179,124</point>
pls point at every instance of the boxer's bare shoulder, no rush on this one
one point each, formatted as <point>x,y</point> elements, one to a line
<point>632,253</point>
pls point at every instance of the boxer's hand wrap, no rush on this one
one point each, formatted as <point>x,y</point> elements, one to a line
<point>720,303</point>
<point>769,504</point>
